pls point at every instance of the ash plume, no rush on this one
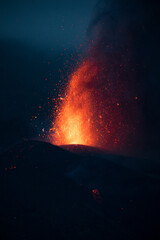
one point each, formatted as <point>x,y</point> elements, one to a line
<point>124,39</point>
<point>108,102</point>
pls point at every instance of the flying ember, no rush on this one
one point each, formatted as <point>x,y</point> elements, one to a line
<point>74,123</point>
<point>99,107</point>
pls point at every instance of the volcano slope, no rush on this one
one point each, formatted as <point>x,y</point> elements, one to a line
<point>48,192</point>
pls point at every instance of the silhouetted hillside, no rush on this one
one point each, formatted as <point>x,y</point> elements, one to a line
<point>49,193</point>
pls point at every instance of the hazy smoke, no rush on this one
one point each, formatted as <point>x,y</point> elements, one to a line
<point>124,40</point>
<point>112,97</point>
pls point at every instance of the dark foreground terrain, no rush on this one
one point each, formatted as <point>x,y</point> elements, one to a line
<point>47,192</point>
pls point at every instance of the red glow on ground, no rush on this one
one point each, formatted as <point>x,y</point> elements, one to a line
<point>96,195</point>
<point>10,168</point>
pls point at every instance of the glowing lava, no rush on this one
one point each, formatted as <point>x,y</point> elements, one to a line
<point>73,123</point>
<point>99,107</point>
<point>103,102</point>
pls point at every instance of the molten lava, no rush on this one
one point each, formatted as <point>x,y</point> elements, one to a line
<point>103,102</point>
<point>73,123</point>
<point>99,107</point>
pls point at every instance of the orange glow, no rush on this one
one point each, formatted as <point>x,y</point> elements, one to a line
<point>73,123</point>
<point>97,108</point>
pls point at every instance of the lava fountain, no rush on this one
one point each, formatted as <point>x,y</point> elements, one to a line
<point>103,102</point>
<point>74,123</point>
<point>100,106</point>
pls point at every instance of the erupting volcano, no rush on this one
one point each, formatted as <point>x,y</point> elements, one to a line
<point>103,102</point>
<point>74,122</point>
<point>99,107</point>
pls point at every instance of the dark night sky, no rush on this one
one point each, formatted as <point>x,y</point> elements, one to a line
<point>48,23</point>
<point>37,38</point>
<point>32,34</point>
